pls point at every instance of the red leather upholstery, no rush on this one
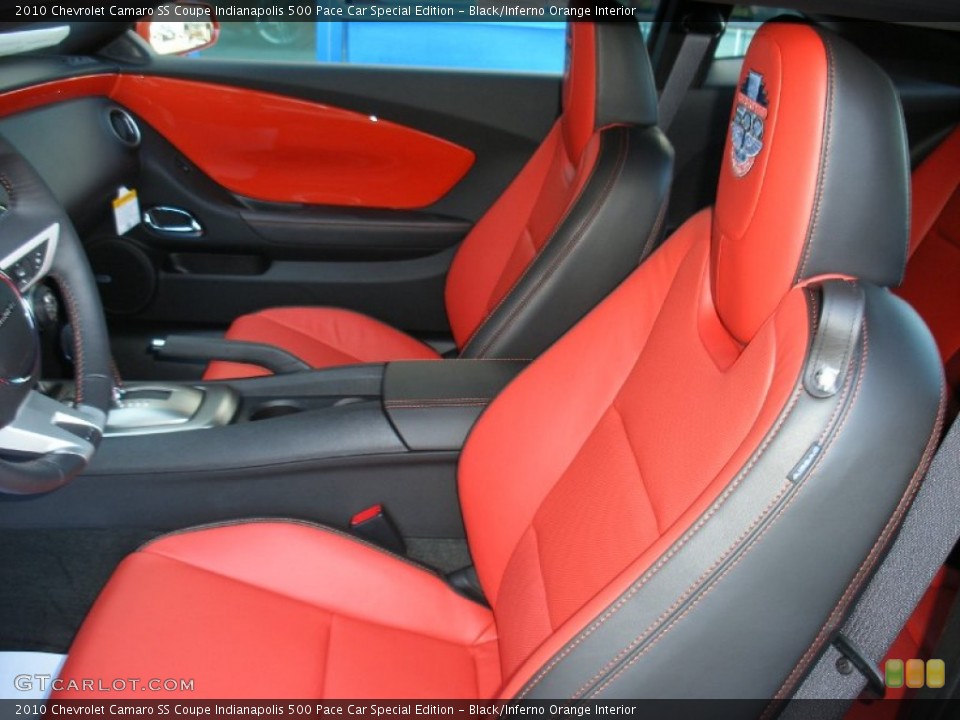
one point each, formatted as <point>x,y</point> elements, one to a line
<point>494,255</point>
<point>654,492</point>
<point>322,337</point>
<point>615,462</point>
<point>514,230</point>
<point>751,273</point>
<point>323,615</point>
<point>579,90</point>
<point>549,491</point>
<point>932,281</point>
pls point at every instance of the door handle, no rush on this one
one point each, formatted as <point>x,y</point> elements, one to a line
<point>167,220</point>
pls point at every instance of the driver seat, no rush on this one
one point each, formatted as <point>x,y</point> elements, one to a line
<point>681,498</point>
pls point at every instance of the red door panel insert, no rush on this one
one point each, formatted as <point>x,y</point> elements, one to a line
<point>272,147</point>
<point>276,148</point>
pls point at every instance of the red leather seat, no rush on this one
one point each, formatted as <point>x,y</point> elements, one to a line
<point>680,498</point>
<point>333,614</point>
<point>576,220</point>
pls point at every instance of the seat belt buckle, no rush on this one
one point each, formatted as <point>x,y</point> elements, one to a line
<point>376,526</point>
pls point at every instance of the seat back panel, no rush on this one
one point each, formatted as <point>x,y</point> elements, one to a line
<point>569,400</point>
<point>759,566</point>
<point>613,225</point>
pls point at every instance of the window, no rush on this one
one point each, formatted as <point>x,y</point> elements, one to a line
<point>530,45</point>
<point>741,27</point>
<point>645,12</point>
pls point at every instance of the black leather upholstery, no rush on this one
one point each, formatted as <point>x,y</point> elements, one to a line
<point>597,245</point>
<point>862,221</point>
<point>628,93</point>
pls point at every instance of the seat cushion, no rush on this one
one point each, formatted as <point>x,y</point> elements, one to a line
<point>283,610</point>
<point>322,337</point>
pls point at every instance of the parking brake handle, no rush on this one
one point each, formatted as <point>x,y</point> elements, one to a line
<point>189,348</point>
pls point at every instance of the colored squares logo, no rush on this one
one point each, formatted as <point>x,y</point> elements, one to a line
<point>914,673</point>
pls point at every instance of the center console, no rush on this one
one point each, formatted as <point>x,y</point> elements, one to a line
<point>319,445</point>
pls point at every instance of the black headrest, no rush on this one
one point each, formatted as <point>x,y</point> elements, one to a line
<point>608,81</point>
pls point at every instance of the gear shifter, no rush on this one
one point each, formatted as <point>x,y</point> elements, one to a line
<point>152,408</point>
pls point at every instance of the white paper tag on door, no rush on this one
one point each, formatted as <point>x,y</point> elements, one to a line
<point>126,210</point>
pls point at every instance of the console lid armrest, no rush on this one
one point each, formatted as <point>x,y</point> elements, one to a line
<point>434,404</point>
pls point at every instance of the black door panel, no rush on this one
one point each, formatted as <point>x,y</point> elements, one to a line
<point>393,291</point>
<point>357,233</point>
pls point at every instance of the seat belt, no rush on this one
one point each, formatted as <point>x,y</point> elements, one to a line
<point>928,534</point>
<point>696,43</point>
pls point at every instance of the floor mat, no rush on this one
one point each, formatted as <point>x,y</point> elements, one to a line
<point>50,578</point>
<point>446,555</point>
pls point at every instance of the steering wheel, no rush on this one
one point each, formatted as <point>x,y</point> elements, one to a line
<point>43,443</point>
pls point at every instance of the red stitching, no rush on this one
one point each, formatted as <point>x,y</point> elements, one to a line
<point>288,521</point>
<point>655,230</point>
<point>776,517</point>
<point>836,615</point>
<point>679,545</point>
<point>74,313</point>
<point>687,593</point>
<point>398,406</point>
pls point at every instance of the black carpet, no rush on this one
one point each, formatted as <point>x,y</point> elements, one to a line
<point>442,554</point>
<point>50,578</point>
